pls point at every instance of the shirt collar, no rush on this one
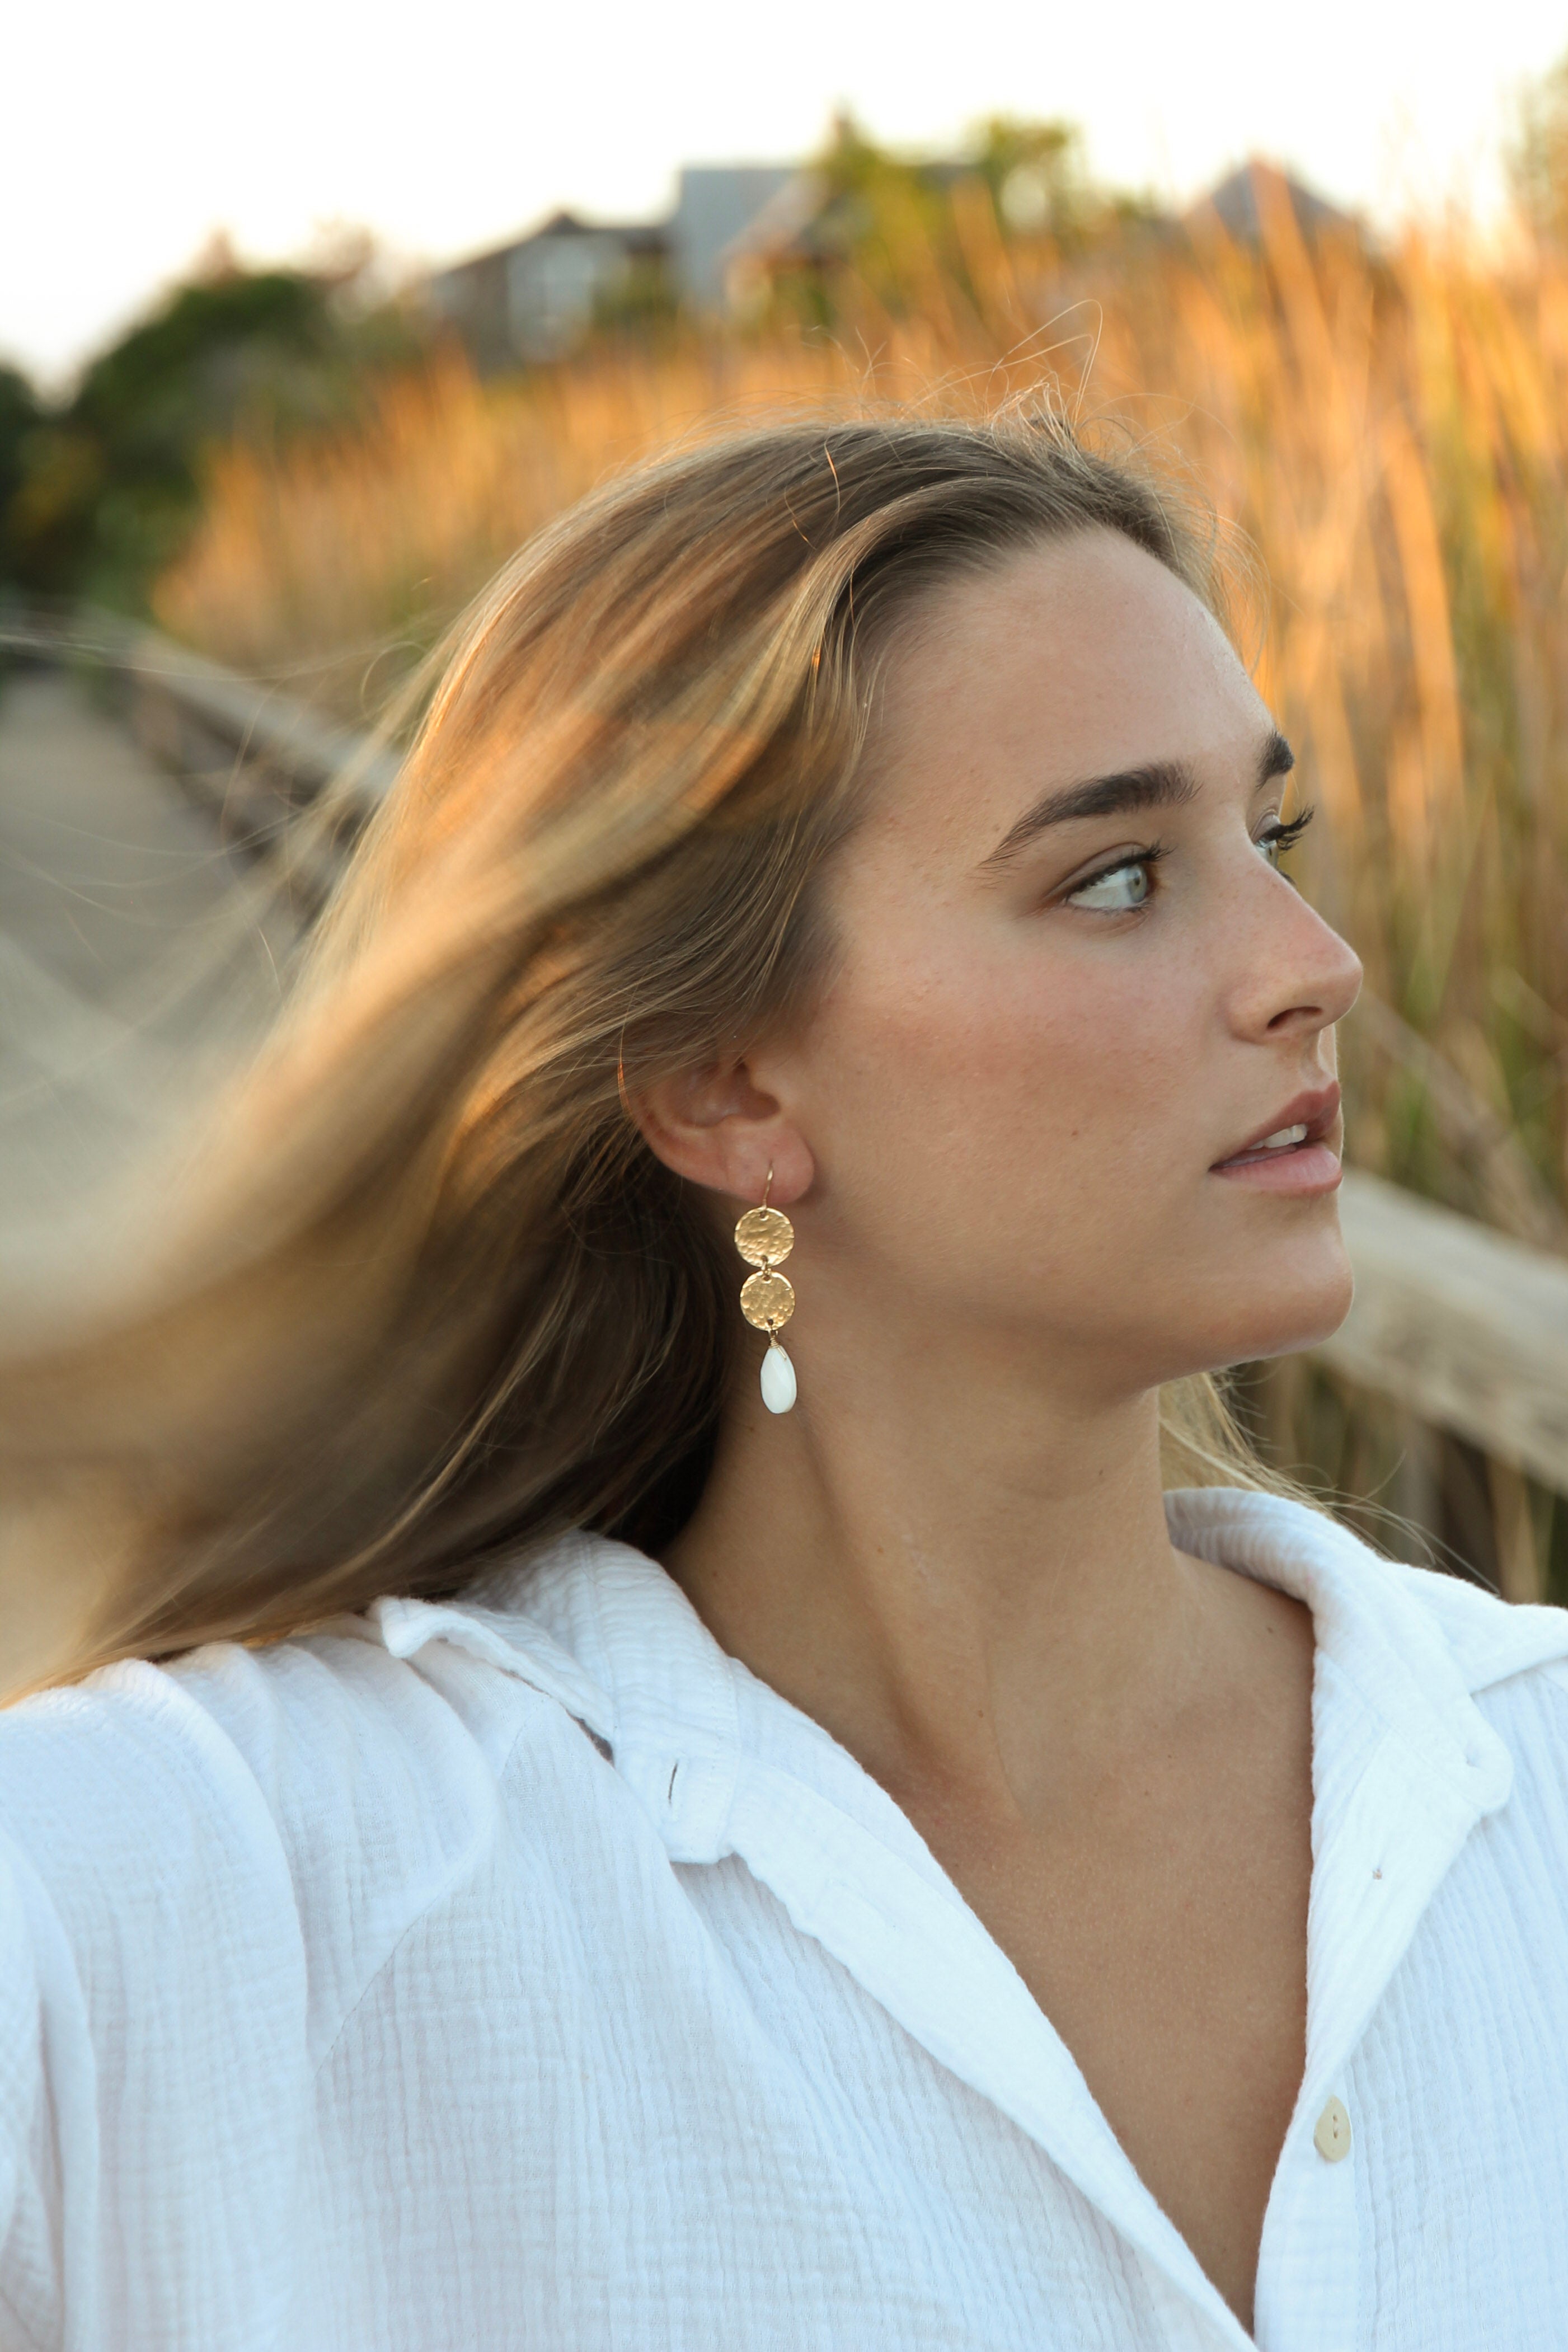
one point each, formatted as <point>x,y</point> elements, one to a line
<point>1414,1646</point>
<point>602,1629</point>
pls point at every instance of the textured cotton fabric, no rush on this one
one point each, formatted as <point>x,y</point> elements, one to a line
<point>524,1973</point>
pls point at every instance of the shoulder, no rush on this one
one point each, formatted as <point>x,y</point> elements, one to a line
<point>289,1810</point>
<point>1512,1660</point>
<point>206,1870</point>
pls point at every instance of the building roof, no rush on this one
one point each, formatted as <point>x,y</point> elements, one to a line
<point>1235,201</point>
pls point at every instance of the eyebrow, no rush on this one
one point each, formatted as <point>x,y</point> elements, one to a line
<point>1161,784</point>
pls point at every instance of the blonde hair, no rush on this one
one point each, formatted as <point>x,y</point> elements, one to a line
<point>426,1298</point>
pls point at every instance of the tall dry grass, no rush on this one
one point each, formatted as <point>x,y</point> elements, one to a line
<point>1388,430</point>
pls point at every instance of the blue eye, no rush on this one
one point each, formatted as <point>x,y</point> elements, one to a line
<point>1118,888</point>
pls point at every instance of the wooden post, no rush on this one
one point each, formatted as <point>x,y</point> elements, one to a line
<point>1415,1495</point>
<point>1517,1552</point>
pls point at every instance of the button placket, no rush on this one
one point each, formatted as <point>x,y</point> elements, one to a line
<point>1309,2276</point>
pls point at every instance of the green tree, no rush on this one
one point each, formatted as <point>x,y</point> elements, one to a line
<point>1537,159</point>
<point>105,485</point>
<point>892,220</point>
<point>1039,176</point>
<point>20,417</point>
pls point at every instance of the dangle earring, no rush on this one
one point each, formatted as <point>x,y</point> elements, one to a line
<point>764,1238</point>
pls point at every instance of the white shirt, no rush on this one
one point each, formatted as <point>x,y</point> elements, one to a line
<point>525,1973</point>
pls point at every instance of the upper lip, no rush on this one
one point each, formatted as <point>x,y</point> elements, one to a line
<point>1316,1110</point>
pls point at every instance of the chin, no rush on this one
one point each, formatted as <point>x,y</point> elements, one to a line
<point>1296,1299</point>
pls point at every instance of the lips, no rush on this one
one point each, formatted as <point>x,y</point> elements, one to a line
<point>1302,1125</point>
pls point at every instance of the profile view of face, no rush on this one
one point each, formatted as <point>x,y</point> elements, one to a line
<point>1073,993</point>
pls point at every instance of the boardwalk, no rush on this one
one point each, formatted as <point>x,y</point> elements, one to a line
<point>130,955</point>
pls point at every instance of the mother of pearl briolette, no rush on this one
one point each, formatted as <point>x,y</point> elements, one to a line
<point>778,1378</point>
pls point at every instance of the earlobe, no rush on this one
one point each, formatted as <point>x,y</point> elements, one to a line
<point>718,1129</point>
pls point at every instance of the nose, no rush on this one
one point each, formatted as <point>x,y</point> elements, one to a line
<point>1294,974</point>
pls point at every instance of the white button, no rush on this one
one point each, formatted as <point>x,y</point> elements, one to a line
<point>1331,2138</point>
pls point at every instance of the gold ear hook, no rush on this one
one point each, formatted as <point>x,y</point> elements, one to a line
<point>768,1187</point>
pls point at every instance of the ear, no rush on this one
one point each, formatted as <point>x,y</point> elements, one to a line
<point>716,1127</point>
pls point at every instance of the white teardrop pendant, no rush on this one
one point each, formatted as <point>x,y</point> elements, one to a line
<point>778,1378</point>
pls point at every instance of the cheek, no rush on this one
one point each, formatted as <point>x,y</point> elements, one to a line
<point>1006,1084</point>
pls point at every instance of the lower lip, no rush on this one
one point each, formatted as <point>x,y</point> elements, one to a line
<point>1305,1169</point>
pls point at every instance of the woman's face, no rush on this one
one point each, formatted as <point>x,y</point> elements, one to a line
<point>1075,992</point>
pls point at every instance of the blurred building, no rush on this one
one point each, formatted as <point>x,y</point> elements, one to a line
<point>716,207</point>
<point>533,298</point>
<point>1238,203</point>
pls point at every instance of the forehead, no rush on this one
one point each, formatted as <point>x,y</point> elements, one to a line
<point>1076,659</point>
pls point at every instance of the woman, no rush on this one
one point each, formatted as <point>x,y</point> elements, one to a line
<point>873,1872</point>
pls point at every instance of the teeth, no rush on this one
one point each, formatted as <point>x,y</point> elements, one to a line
<point>1282,1139</point>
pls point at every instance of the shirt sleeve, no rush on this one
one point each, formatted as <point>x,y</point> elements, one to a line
<point>154,2075</point>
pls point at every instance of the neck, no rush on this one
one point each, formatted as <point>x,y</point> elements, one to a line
<point>957,1568</point>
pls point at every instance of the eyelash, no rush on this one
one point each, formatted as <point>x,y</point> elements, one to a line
<point>1279,836</point>
<point>1284,833</point>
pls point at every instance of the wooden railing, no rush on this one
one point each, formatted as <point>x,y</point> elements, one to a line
<point>1462,1328</point>
<point>256,756</point>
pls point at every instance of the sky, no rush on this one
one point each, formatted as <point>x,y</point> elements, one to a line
<point>133,133</point>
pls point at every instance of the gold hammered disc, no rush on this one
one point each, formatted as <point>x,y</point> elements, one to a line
<point>764,1234</point>
<point>766,1299</point>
